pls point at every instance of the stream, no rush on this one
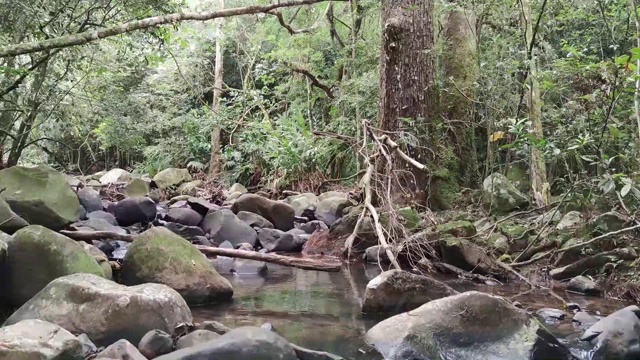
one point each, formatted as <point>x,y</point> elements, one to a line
<point>321,310</point>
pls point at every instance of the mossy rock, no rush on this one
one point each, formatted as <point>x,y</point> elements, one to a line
<point>40,195</point>
<point>160,256</point>
<point>10,222</point>
<point>137,188</point>
<point>171,177</point>
<point>411,217</point>
<point>458,228</point>
<point>37,255</point>
<point>513,230</point>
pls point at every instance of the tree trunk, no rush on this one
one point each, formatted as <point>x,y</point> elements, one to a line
<point>461,73</point>
<point>636,97</point>
<point>215,163</point>
<point>406,72</point>
<point>538,169</point>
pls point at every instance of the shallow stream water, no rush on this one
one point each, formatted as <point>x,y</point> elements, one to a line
<point>321,310</point>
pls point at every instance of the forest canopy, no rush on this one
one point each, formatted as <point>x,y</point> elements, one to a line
<point>545,92</point>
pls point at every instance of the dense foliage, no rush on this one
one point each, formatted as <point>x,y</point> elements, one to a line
<point>143,100</point>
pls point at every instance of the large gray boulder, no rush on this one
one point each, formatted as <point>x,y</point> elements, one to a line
<point>171,177</point>
<point>471,325</point>
<point>617,336</point>
<point>239,344</point>
<point>90,199</point>
<point>40,195</point>
<point>396,291</point>
<point>121,350</point>
<point>160,256</point>
<point>196,337</point>
<point>10,222</point>
<point>137,187</point>
<point>38,340</point>
<point>276,240</point>
<point>500,196</point>
<point>254,220</point>
<point>590,265</point>
<point>280,214</point>
<point>184,216</point>
<point>36,256</point>
<point>224,225</point>
<point>302,202</point>
<point>105,310</point>
<point>330,209</point>
<point>115,176</point>
<point>135,210</point>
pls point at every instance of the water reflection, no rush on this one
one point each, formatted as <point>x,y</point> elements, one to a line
<point>321,311</point>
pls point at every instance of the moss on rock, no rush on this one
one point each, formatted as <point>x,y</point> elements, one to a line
<point>160,256</point>
<point>37,255</point>
<point>458,228</point>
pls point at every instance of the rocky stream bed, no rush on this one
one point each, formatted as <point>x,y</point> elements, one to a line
<point>138,286</point>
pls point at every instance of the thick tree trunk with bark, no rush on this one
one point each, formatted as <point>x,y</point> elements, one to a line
<point>406,70</point>
<point>215,163</point>
<point>461,73</point>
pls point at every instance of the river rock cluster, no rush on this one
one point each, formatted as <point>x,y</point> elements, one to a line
<point>114,299</point>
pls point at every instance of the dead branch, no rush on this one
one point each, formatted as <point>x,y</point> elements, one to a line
<point>291,30</point>
<point>300,263</point>
<point>94,35</point>
<point>329,181</point>
<point>314,81</point>
<point>598,238</point>
<point>306,264</point>
<point>520,276</point>
<point>396,148</point>
<point>345,138</point>
<point>444,267</point>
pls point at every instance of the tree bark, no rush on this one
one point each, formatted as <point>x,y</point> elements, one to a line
<point>407,71</point>
<point>93,35</point>
<point>461,73</point>
<point>215,163</point>
<point>538,169</point>
<point>636,97</point>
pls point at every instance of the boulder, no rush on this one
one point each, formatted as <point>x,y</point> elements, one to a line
<point>191,233</point>
<point>88,347</point>
<point>313,226</point>
<point>40,195</point>
<point>410,217</point>
<point>254,220</point>
<point>137,188</point>
<point>115,176</point>
<point>302,202</point>
<point>171,177</point>
<point>584,320</point>
<point>101,258</point>
<point>239,344</point>
<point>616,336</point>
<point>248,267</point>
<point>607,222</point>
<point>330,194</point>
<point>276,240</point>
<point>583,285</point>
<point>500,196</point>
<point>160,256</point>
<point>103,215</point>
<point>280,214</point>
<point>592,264</point>
<point>570,220</point>
<point>90,199</point>
<point>214,326</point>
<point>330,209</point>
<point>376,255</point>
<point>135,210</point>
<point>38,340</point>
<point>196,338</point>
<point>224,225</point>
<point>307,354</point>
<point>190,188</point>
<point>97,224</point>
<point>104,310</point>
<point>397,291</point>
<point>550,314</point>
<point>459,228</point>
<point>155,343</point>
<point>10,222</point>
<point>237,188</point>
<point>36,256</point>
<point>184,216</point>
<point>466,255</point>
<point>470,325</point>
<point>202,206</point>
<point>121,350</point>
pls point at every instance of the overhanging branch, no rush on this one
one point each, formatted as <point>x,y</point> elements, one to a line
<point>93,35</point>
<point>315,82</point>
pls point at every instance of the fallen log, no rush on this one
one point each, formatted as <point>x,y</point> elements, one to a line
<point>301,263</point>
